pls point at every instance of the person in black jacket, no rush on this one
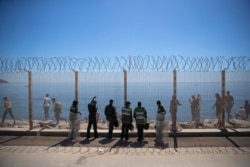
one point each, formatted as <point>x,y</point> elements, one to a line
<point>110,114</point>
<point>92,117</point>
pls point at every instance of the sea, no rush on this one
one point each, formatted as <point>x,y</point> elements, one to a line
<point>145,92</point>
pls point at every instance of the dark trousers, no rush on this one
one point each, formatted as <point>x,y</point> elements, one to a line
<point>8,111</point>
<point>92,121</point>
<point>111,127</point>
<point>140,131</point>
<point>125,128</point>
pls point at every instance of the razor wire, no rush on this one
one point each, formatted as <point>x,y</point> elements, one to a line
<point>117,64</point>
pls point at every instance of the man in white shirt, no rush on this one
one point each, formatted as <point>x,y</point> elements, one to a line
<point>241,113</point>
<point>46,104</point>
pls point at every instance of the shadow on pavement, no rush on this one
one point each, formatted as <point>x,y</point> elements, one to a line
<point>86,141</point>
<point>106,141</point>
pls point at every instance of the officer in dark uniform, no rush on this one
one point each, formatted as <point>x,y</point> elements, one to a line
<point>92,117</point>
<point>110,114</point>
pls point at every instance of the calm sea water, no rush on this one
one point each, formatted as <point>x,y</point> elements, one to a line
<point>147,93</point>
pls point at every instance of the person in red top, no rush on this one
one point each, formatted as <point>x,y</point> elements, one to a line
<point>8,110</point>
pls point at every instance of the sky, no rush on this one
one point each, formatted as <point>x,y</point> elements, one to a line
<point>115,28</point>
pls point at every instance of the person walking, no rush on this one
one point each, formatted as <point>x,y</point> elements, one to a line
<point>110,113</point>
<point>229,104</point>
<point>160,123</point>
<point>92,117</point>
<point>140,115</point>
<point>126,118</point>
<point>74,120</point>
<point>174,103</point>
<point>7,110</point>
<point>46,105</point>
<point>57,110</point>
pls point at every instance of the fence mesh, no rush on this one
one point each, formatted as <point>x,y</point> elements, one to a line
<point>149,79</point>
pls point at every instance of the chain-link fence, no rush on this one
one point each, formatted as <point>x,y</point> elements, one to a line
<point>148,79</point>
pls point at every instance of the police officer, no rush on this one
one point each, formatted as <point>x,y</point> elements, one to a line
<point>140,115</point>
<point>110,114</point>
<point>126,118</point>
<point>92,117</point>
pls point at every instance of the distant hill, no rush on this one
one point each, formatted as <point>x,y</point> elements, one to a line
<point>3,81</point>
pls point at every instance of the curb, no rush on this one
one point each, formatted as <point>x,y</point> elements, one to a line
<point>147,133</point>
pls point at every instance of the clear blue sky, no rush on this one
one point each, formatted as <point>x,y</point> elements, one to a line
<point>52,28</point>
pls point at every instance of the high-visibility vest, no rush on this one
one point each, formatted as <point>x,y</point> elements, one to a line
<point>140,115</point>
<point>126,115</point>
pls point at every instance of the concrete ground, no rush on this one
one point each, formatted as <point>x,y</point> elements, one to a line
<point>46,151</point>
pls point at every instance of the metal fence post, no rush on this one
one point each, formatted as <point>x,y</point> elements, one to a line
<point>125,85</point>
<point>30,100</point>
<point>175,106</point>
<point>223,86</point>
<point>76,84</point>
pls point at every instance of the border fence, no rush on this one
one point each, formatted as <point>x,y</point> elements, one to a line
<point>173,65</point>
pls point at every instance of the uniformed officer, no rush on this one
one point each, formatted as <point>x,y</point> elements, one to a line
<point>140,115</point>
<point>126,118</point>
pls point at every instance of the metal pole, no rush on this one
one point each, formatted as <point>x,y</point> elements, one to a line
<point>223,86</point>
<point>30,100</point>
<point>175,85</point>
<point>125,85</point>
<point>76,84</point>
<point>175,105</point>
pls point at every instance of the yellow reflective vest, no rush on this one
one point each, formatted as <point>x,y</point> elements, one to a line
<point>140,115</point>
<point>126,115</point>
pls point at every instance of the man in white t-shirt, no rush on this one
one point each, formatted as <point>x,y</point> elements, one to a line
<point>46,104</point>
<point>241,113</point>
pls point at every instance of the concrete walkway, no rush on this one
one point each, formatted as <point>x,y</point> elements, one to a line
<point>46,151</point>
<point>21,147</point>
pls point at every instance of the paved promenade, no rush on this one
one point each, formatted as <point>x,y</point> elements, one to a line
<point>46,151</point>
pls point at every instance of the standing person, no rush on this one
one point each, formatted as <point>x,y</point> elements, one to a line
<point>46,105</point>
<point>140,115</point>
<point>247,108</point>
<point>160,118</point>
<point>126,118</point>
<point>57,110</point>
<point>229,105</point>
<point>241,113</point>
<point>92,117</point>
<point>192,102</point>
<point>174,103</point>
<point>110,113</point>
<point>7,110</point>
<point>74,120</point>
<point>217,106</point>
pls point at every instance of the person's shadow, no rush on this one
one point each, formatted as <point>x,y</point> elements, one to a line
<point>86,141</point>
<point>106,141</point>
<point>139,144</point>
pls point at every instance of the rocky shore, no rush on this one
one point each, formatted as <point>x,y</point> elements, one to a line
<point>205,124</point>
